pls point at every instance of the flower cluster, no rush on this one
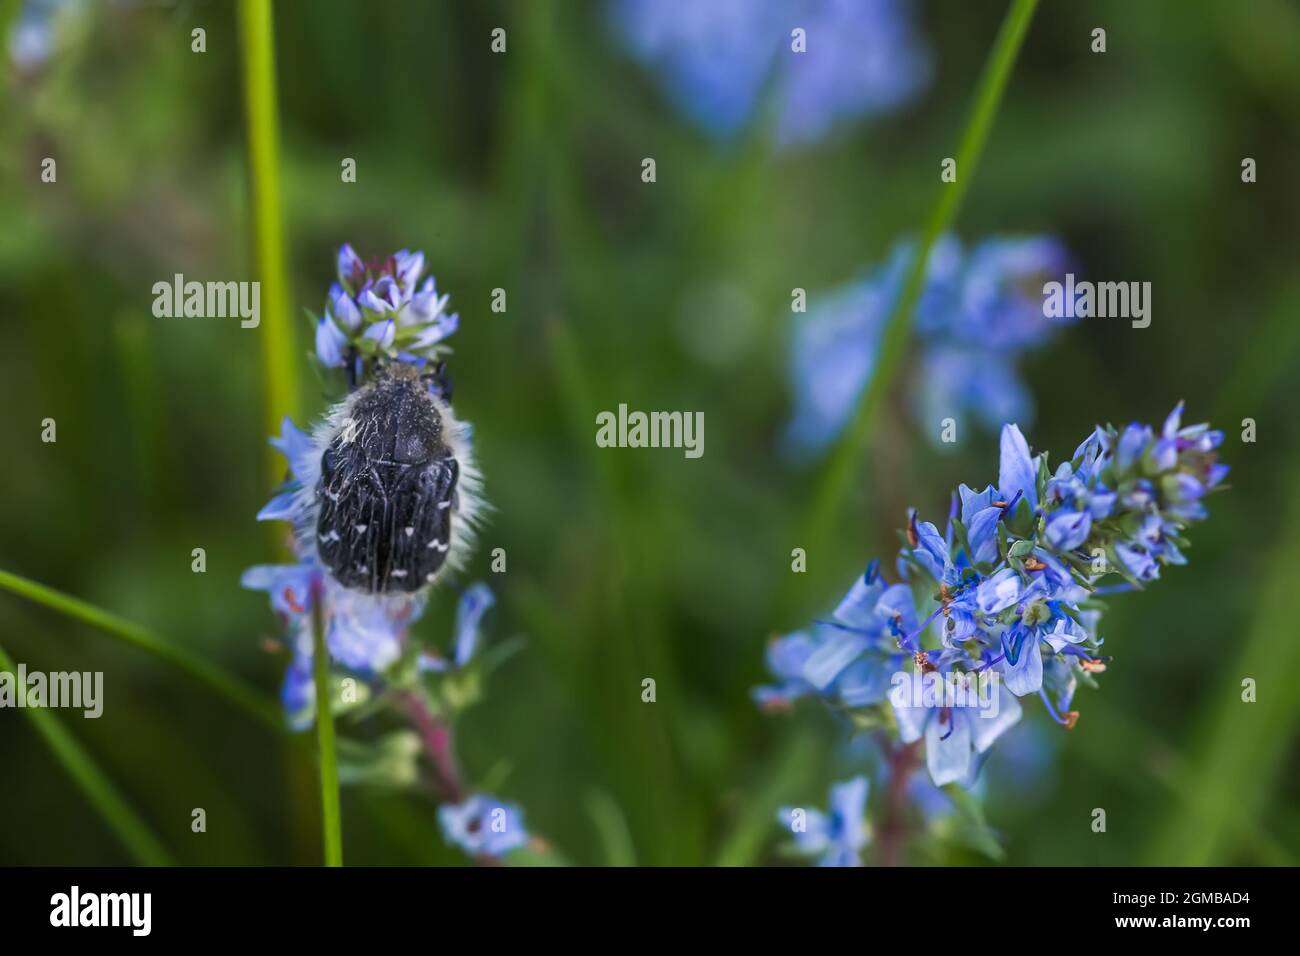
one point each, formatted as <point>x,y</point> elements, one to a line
<point>978,313</point>
<point>377,315</point>
<point>853,59</point>
<point>1009,590</point>
<point>381,310</point>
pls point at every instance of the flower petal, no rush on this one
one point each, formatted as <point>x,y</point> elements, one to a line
<point>1016,471</point>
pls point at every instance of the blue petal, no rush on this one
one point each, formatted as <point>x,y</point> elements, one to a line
<point>839,650</point>
<point>439,329</point>
<point>1066,530</point>
<point>897,603</point>
<point>973,502</point>
<point>1173,422</point>
<point>296,445</point>
<point>911,721</point>
<point>947,746</point>
<point>815,836</point>
<point>999,591</point>
<point>283,507</point>
<point>330,343</point>
<point>343,308</point>
<point>985,729</point>
<point>1023,667</point>
<point>382,332</point>
<point>787,656</point>
<point>350,267</point>
<point>409,266</point>
<point>474,603</point>
<point>982,533</point>
<point>1016,471</point>
<point>858,608</point>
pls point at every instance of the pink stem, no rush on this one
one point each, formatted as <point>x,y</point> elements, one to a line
<point>893,829</point>
<point>436,735</point>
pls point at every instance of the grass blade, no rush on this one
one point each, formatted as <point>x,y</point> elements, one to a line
<point>212,677</point>
<point>112,806</point>
<point>279,365</point>
<point>988,98</point>
<point>331,816</point>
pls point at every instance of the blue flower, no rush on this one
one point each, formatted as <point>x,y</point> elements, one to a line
<point>837,836</point>
<point>1001,307</point>
<point>34,34</point>
<point>956,380</point>
<point>382,310</point>
<point>957,738</point>
<point>833,348</point>
<point>1012,578</point>
<point>864,59</point>
<point>483,826</point>
<point>364,633</point>
<point>977,315</point>
<point>717,59</point>
<point>849,657</point>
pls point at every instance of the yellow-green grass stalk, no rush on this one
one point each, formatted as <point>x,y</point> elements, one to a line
<point>266,221</point>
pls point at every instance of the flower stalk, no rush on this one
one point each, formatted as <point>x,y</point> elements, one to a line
<point>329,772</point>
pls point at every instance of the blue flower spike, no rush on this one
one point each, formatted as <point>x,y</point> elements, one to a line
<point>1007,595</point>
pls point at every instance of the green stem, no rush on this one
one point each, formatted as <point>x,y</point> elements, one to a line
<point>211,677</point>
<point>329,770</point>
<point>280,371</point>
<point>130,829</point>
<point>988,98</point>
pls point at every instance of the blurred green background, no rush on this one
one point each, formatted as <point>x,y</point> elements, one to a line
<point>522,171</point>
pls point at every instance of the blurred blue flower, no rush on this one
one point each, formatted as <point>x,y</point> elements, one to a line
<point>476,601</point>
<point>976,317</point>
<point>837,836</point>
<point>483,826</point>
<point>721,60</point>
<point>32,36</point>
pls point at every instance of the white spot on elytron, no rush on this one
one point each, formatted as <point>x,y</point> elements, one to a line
<point>332,495</point>
<point>410,530</point>
<point>438,545</point>
<point>361,528</point>
<point>430,577</point>
<point>332,536</point>
<point>398,573</point>
<point>443,504</point>
<point>362,568</point>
